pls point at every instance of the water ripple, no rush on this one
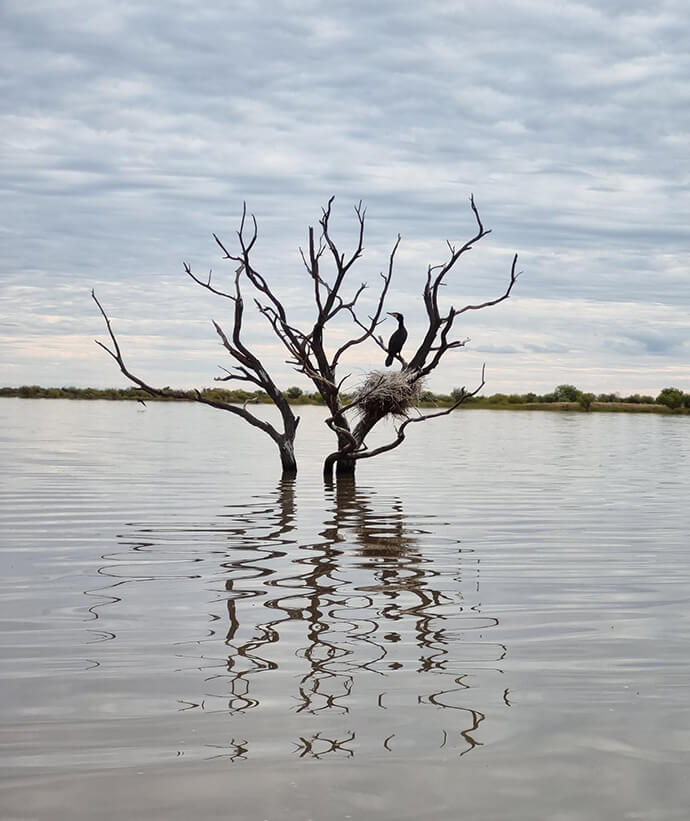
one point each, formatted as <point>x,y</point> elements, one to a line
<point>517,583</point>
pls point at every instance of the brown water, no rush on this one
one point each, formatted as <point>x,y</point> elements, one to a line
<point>493,622</point>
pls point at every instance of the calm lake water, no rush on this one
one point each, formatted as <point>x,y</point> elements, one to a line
<point>493,622</point>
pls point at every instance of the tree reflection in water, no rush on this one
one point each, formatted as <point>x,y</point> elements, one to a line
<point>376,597</point>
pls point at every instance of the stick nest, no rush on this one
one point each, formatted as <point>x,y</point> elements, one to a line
<point>386,393</point>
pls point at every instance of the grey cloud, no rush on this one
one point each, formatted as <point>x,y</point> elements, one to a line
<point>653,342</point>
<point>134,130</point>
<point>547,349</point>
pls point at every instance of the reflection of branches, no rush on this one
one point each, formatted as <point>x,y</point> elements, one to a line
<point>371,612</point>
<point>348,629</point>
<point>311,685</point>
<point>236,750</point>
<point>476,716</point>
<point>403,571</point>
<point>317,746</point>
<point>248,651</point>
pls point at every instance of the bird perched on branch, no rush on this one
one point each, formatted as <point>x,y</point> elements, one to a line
<point>397,339</point>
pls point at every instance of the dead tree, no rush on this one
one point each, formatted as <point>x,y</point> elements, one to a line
<point>382,394</point>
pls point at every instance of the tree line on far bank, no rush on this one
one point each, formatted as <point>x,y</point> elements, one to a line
<point>670,398</point>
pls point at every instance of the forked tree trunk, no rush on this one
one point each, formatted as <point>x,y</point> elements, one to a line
<point>343,460</point>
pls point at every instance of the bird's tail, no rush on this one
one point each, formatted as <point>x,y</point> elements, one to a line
<point>389,359</point>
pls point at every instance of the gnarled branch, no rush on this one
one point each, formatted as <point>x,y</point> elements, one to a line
<point>251,370</point>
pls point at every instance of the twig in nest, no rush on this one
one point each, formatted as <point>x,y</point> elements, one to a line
<point>386,393</point>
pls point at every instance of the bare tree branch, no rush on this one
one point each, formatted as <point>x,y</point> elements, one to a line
<point>429,353</point>
<point>206,284</point>
<point>490,302</point>
<point>374,320</point>
<point>284,439</point>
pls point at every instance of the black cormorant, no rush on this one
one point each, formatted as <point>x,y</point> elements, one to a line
<point>397,339</point>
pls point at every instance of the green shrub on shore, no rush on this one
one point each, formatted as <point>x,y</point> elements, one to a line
<point>563,397</point>
<point>673,398</point>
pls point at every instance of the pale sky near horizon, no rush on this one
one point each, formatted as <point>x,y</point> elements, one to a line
<point>131,131</point>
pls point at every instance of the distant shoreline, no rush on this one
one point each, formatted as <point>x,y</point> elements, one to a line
<point>611,405</point>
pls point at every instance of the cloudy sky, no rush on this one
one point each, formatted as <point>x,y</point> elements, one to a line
<point>131,131</point>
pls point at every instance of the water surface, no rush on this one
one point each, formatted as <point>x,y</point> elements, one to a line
<point>491,622</point>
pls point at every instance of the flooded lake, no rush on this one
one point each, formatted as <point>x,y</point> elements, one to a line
<point>492,622</point>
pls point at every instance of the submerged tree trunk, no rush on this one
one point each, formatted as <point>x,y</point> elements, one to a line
<point>287,456</point>
<point>349,443</point>
<point>345,466</point>
<point>343,462</point>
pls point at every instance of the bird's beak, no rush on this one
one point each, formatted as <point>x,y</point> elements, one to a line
<point>390,313</point>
